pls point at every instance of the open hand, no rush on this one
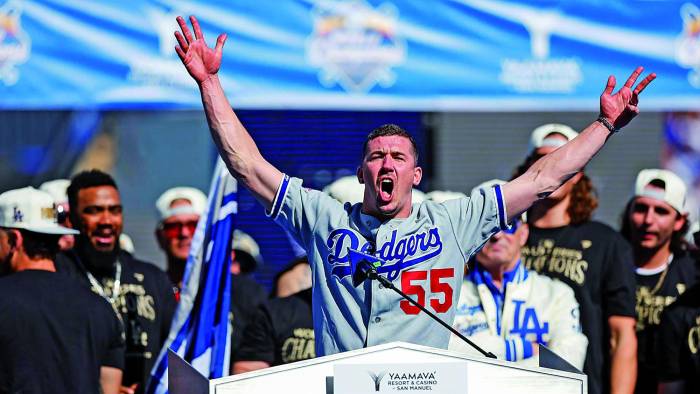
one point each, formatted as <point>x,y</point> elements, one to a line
<point>620,108</point>
<point>199,60</point>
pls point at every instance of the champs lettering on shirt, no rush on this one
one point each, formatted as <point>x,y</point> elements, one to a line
<point>132,299</point>
<point>693,338</point>
<point>298,346</point>
<point>547,257</point>
<point>657,289</point>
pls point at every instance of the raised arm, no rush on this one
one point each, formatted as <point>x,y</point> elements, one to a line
<point>552,170</point>
<point>236,147</point>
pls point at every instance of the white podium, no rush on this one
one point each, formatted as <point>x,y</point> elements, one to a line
<point>390,368</point>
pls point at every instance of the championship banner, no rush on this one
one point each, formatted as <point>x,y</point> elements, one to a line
<point>438,55</point>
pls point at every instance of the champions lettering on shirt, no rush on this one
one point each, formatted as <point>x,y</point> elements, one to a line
<point>145,305</point>
<point>659,288</point>
<point>694,337</point>
<point>547,257</point>
<point>299,346</point>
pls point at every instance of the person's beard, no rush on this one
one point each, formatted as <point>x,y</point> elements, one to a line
<point>97,262</point>
<point>6,265</point>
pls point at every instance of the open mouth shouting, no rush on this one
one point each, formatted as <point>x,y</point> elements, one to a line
<point>386,189</point>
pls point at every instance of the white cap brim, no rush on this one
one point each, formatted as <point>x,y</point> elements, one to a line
<point>53,230</point>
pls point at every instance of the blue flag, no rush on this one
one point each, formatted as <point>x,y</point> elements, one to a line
<point>201,332</point>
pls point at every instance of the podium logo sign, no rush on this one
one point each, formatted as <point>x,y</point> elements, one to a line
<point>438,378</point>
<point>377,378</point>
<point>411,381</point>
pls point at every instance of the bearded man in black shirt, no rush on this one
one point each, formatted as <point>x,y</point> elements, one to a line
<point>655,222</point>
<point>140,291</point>
<point>593,259</point>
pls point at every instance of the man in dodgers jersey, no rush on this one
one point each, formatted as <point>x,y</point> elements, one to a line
<point>425,246</point>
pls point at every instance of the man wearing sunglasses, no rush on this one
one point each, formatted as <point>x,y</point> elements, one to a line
<point>510,310</point>
<point>179,209</point>
<point>655,222</point>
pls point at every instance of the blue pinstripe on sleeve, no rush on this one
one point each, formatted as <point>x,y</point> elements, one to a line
<point>500,202</point>
<point>279,198</point>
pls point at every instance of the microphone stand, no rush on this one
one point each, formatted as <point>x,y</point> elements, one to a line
<point>371,273</point>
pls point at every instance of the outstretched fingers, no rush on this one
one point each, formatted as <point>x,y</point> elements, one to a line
<point>180,53</point>
<point>633,78</point>
<point>220,41</point>
<point>197,30</point>
<point>645,82</point>
<point>181,40</point>
<point>185,29</point>
<point>610,86</point>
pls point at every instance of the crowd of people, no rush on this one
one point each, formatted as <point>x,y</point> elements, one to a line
<point>622,306</point>
<point>515,265</point>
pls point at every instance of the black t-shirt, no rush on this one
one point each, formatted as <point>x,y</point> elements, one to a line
<point>246,296</point>
<point>282,331</point>
<point>596,262</point>
<point>146,303</point>
<point>55,335</point>
<point>654,293</point>
<point>678,341</point>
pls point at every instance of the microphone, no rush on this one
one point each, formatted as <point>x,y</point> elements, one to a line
<point>364,266</point>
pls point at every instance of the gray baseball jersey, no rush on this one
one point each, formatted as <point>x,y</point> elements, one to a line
<point>424,253</point>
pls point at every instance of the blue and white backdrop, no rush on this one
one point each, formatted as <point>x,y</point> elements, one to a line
<point>356,54</point>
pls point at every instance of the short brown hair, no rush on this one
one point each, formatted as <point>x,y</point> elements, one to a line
<point>389,130</point>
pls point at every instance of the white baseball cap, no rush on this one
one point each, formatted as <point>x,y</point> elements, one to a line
<point>197,199</point>
<point>57,188</point>
<point>417,196</point>
<point>541,136</point>
<point>346,189</point>
<point>440,196</point>
<point>32,210</point>
<point>671,188</point>
<point>243,242</point>
<point>126,243</point>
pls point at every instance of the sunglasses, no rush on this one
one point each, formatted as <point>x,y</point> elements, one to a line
<point>174,229</point>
